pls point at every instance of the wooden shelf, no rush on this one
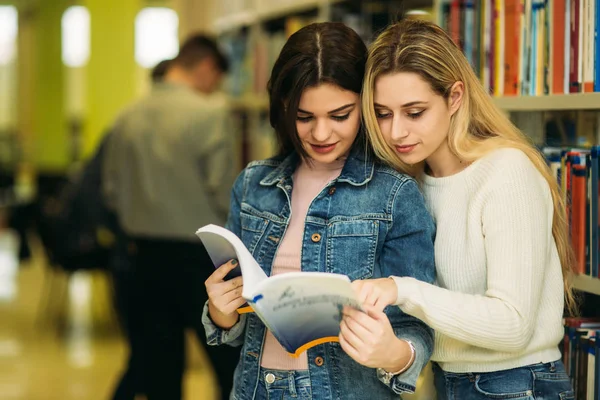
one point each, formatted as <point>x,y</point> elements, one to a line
<point>585,101</point>
<point>281,10</point>
<point>268,12</point>
<point>587,284</point>
<point>254,102</point>
<point>235,21</point>
<point>578,101</point>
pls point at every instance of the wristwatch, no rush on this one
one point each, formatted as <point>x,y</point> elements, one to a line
<point>386,376</point>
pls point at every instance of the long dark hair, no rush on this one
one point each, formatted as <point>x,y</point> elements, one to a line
<point>327,52</point>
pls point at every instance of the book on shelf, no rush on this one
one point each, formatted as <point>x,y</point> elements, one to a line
<point>301,309</point>
<point>577,172</point>
<point>528,47</point>
<point>579,355</point>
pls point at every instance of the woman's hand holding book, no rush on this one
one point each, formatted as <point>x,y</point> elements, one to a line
<point>224,296</point>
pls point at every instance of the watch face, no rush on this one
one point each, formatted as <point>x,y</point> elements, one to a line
<point>385,376</point>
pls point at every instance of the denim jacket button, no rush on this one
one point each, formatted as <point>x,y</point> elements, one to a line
<point>319,361</point>
<point>331,190</point>
<point>316,237</point>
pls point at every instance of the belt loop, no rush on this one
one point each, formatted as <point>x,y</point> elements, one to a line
<point>552,366</point>
<point>292,383</point>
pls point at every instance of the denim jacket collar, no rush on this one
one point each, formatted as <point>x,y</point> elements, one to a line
<point>358,169</point>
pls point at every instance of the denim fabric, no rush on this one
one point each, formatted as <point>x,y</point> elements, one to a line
<point>288,385</point>
<point>532,382</point>
<point>372,223</point>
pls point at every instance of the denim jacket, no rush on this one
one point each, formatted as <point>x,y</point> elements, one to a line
<point>372,223</point>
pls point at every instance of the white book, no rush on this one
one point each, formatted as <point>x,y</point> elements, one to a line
<point>591,372</point>
<point>301,309</point>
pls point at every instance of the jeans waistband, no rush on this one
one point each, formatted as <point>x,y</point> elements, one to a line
<point>274,378</point>
<point>550,367</point>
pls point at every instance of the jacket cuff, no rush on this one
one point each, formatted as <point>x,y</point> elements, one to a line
<point>216,336</point>
<point>406,382</point>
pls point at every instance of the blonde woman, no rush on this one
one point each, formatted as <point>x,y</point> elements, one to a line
<point>502,251</point>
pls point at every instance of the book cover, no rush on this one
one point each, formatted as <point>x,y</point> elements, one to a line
<point>578,215</point>
<point>558,55</point>
<point>301,309</point>
<point>588,46</point>
<point>597,47</point>
<point>574,51</point>
<point>512,33</point>
<point>593,178</point>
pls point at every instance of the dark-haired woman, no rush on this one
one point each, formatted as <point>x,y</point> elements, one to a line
<point>324,204</point>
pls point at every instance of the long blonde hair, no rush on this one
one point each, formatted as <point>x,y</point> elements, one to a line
<point>476,128</point>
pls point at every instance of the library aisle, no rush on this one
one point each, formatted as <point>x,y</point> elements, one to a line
<point>39,361</point>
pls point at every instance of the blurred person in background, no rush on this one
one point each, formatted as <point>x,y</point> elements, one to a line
<point>159,71</point>
<point>168,170</point>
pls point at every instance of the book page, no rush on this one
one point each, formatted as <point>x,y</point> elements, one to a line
<point>223,245</point>
<point>303,309</point>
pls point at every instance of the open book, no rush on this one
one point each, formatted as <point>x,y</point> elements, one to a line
<point>301,309</point>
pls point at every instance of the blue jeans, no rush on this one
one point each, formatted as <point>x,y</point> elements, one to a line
<point>532,382</point>
<point>283,385</point>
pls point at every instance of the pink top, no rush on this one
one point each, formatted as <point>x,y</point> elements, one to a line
<point>309,180</point>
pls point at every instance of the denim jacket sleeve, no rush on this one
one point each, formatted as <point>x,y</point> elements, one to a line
<point>408,250</point>
<point>234,336</point>
<point>216,336</point>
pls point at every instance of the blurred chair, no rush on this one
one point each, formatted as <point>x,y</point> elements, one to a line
<point>70,248</point>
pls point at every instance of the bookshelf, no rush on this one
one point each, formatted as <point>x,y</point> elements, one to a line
<point>535,97</point>
<point>578,101</point>
<point>587,284</point>
<point>235,21</point>
<point>267,10</point>
<point>252,20</point>
<point>251,102</point>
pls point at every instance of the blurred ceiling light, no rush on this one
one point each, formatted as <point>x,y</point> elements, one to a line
<point>76,36</point>
<point>156,37</point>
<point>8,34</point>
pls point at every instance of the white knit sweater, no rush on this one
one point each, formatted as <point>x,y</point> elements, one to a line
<point>499,302</point>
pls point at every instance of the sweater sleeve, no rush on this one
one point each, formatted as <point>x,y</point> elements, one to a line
<point>516,222</point>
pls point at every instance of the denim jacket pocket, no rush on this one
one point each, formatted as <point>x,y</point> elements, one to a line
<point>253,228</point>
<point>347,238</point>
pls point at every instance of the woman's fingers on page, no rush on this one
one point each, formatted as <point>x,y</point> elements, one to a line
<point>358,318</point>
<point>357,286</point>
<point>225,291</point>
<point>347,347</point>
<point>346,327</point>
<point>360,349</point>
<point>375,313</point>
<point>221,272</point>
<point>364,291</point>
<point>371,342</point>
<point>233,284</point>
<point>359,328</point>
<point>389,291</point>
<point>232,295</point>
<point>235,304</point>
<point>220,293</point>
<point>368,291</point>
<point>371,295</point>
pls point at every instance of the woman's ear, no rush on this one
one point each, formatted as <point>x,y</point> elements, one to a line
<point>456,96</point>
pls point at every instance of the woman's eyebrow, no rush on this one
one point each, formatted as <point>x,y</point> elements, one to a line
<point>409,104</point>
<point>342,108</point>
